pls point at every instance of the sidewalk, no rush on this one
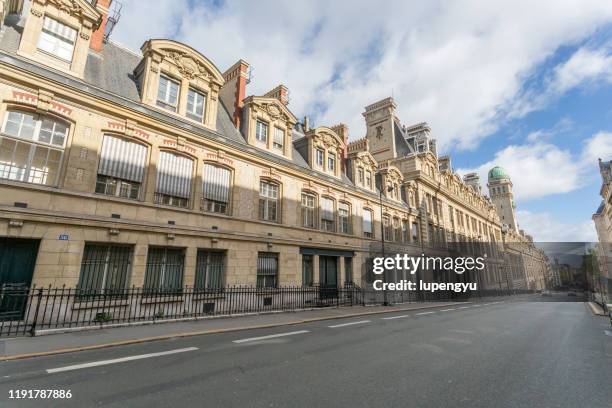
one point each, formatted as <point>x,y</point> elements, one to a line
<point>24,347</point>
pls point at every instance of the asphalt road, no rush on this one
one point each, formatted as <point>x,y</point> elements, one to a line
<point>504,354</point>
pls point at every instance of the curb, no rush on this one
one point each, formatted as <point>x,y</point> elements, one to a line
<point>215,331</point>
<point>595,309</point>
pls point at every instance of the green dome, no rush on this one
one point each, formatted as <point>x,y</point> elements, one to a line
<point>497,173</point>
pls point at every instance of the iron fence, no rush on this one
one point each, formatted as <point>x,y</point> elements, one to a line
<point>26,311</point>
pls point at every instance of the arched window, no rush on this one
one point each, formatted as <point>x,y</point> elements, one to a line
<point>397,233</point>
<point>174,176</point>
<point>344,218</point>
<point>368,230</point>
<point>216,188</point>
<point>121,168</point>
<point>309,201</point>
<point>327,214</point>
<point>269,200</point>
<point>32,147</point>
<point>387,227</point>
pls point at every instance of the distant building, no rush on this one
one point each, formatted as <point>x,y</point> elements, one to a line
<point>603,225</point>
<point>500,191</point>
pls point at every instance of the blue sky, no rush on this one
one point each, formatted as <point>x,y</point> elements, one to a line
<point>522,84</point>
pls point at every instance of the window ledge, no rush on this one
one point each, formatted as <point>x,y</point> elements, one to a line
<point>99,304</point>
<point>170,298</point>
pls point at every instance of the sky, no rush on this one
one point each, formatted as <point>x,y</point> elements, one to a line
<point>521,84</point>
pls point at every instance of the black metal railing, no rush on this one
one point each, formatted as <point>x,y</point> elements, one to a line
<point>26,311</point>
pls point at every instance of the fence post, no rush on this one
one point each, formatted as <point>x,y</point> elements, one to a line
<point>39,301</point>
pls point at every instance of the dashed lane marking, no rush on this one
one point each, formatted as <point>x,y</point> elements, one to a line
<point>118,360</point>
<point>395,317</point>
<point>271,336</point>
<point>349,324</point>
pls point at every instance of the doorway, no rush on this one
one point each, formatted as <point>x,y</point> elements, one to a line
<point>328,276</point>
<point>17,261</point>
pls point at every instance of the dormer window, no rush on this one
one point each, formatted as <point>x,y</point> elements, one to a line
<point>360,176</point>
<point>279,137</point>
<point>319,157</point>
<point>331,162</point>
<point>167,93</point>
<point>369,179</point>
<point>196,102</point>
<point>261,133</point>
<point>57,39</point>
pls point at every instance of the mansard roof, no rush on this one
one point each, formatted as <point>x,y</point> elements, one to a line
<point>109,76</point>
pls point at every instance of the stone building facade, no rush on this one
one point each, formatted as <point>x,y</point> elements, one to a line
<point>156,169</point>
<point>603,225</point>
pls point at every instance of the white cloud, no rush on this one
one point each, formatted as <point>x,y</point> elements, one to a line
<point>458,65</point>
<point>536,169</point>
<point>539,169</point>
<point>584,65</point>
<point>598,147</point>
<point>549,229</point>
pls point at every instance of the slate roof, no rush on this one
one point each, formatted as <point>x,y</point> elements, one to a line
<point>110,76</point>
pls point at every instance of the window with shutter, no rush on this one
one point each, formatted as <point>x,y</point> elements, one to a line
<point>216,188</point>
<point>174,176</point>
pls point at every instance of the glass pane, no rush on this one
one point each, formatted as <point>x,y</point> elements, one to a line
<point>190,101</point>
<point>28,127</point>
<point>59,134</point>
<point>39,160</point>
<point>7,146</point>
<point>173,93</point>
<point>161,90</point>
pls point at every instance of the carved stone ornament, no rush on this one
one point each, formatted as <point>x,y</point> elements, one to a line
<point>187,66</point>
<point>273,110</point>
<point>71,7</point>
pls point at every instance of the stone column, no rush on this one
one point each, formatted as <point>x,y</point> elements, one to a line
<point>341,271</point>
<point>315,270</point>
<point>191,254</point>
<point>139,265</point>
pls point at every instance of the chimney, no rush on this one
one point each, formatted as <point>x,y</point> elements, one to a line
<point>233,91</point>
<point>97,38</point>
<point>281,93</point>
<point>306,124</point>
<point>342,130</point>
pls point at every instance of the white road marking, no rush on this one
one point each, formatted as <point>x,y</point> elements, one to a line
<point>349,324</point>
<point>464,307</point>
<point>608,332</point>
<point>477,305</point>
<point>395,317</point>
<point>424,313</point>
<point>487,304</point>
<point>271,336</point>
<point>118,360</point>
<point>446,310</point>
